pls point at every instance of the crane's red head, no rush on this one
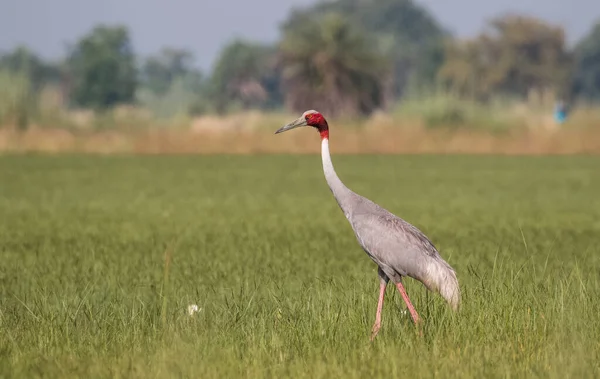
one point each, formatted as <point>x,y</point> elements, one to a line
<point>309,118</point>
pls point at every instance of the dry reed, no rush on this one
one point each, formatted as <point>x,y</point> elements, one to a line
<point>380,138</point>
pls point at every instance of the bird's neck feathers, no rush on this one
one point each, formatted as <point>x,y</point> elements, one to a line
<point>339,190</point>
<point>324,132</point>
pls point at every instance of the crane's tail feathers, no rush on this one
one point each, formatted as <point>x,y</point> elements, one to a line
<point>441,278</point>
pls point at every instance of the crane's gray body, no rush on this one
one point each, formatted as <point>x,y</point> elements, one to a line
<point>396,246</point>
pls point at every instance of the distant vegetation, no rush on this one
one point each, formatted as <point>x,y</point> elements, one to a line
<point>348,58</point>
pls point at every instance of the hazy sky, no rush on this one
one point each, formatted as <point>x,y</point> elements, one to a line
<point>203,26</point>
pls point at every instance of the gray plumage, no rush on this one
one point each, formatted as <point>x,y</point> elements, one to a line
<point>398,248</point>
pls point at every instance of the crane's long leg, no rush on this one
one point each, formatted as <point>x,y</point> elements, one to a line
<point>383,280</point>
<point>411,309</point>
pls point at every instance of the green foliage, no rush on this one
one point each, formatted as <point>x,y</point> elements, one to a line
<point>23,77</point>
<point>161,71</point>
<point>586,80</point>
<point>413,38</point>
<point>332,64</point>
<point>344,57</point>
<point>445,110</point>
<point>17,102</point>
<point>39,73</point>
<point>170,86</point>
<point>519,55</point>
<point>245,76</point>
<point>178,100</point>
<point>102,68</point>
<point>101,257</point>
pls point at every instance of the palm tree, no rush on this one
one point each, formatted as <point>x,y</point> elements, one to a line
<point>331,64</point>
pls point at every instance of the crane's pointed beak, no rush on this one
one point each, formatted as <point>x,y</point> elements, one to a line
<point>294,124</point>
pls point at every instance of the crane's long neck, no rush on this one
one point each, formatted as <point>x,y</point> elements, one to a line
<point>339,190</point>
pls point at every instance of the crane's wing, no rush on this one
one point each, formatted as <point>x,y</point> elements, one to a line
<point>400,249</point>
<point>392,242</point>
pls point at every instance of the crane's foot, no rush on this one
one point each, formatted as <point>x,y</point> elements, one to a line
<point>375,330</point>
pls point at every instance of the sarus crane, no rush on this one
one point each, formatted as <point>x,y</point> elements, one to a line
<point>398,248</point>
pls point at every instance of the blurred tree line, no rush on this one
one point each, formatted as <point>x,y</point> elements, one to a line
<point>346,57</point>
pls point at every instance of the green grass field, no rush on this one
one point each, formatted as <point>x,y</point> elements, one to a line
<point>101,256</point>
